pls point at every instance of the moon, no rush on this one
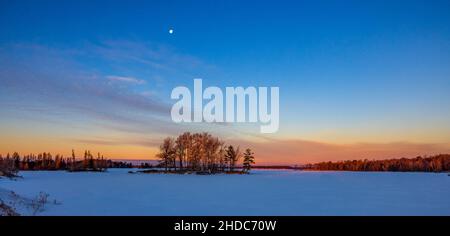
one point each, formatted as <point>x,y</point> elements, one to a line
<point>170,31</point>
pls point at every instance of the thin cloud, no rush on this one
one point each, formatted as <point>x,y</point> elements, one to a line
<point>31,80</point>
<point>124,79</point>
<point>117,142</point>
<point>58,86</point>
<point>147,56</point>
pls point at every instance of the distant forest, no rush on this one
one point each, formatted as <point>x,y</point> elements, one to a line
<point>199,153</point>
<point>438,163</point>
<point>204,153</point>
<point>10,164</point>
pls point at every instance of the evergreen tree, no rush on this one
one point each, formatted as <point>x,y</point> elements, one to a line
<point>249,159</point>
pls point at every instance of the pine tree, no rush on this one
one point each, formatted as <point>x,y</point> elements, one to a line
<point>72,162</point>
<point>249,159</point>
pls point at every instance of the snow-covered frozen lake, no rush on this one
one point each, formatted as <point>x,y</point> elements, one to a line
<point>265,192</point>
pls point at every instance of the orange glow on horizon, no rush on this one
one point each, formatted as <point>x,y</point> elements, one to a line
<point>266,152</point>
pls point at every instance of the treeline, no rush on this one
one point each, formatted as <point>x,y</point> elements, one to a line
<point>202,152</point>
<point>10,164</point>
<point>438,163</point>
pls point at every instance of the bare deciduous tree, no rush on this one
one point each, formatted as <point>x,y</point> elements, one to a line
<point>199,152</point>
<point>8,166</point>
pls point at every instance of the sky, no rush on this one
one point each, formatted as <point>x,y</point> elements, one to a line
<point>357,79</point>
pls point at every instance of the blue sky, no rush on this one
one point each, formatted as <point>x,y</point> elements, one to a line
<point>348,71</point>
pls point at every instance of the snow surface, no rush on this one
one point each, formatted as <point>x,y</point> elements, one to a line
<point>264,192</point>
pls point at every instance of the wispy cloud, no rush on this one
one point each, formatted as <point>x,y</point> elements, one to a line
<point>119,142</point>
<point>35,77</point>
<point>148,57</point>
<point>131,80</point>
